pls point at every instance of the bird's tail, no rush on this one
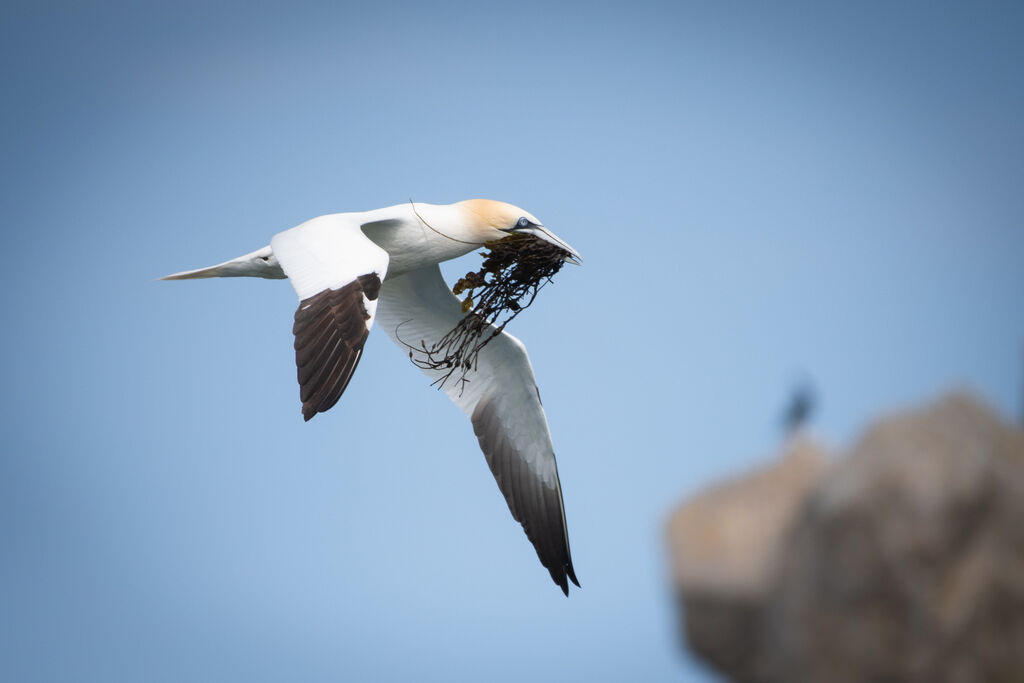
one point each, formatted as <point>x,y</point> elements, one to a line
<point>260,263</point>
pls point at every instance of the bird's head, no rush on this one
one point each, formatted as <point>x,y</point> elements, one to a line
<point>493,220</point>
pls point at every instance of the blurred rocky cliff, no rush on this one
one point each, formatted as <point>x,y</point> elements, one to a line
<point>902,560</point>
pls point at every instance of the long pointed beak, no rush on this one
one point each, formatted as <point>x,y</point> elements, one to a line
<point>550,237</point>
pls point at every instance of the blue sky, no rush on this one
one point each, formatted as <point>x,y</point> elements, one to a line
<point>758,192</point>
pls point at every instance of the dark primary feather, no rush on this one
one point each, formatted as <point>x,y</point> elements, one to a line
<point>330,330</point>
<point>534,504</point>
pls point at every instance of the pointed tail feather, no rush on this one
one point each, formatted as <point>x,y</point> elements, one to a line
<point>260,263</point>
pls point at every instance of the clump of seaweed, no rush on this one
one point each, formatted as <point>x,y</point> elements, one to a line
<point>514,270</point>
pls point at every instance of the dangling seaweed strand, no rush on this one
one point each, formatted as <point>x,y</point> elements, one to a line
<point>515,268</point>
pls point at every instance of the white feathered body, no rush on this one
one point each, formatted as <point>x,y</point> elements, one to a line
<point>346,266</point>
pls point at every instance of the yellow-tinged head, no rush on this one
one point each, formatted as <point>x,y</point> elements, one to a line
<point>494,220</point>
<point>489,213</point>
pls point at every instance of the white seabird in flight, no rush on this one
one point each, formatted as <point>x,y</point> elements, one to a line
<point>350,269</point>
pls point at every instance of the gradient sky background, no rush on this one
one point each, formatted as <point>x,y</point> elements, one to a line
<point>757,192</point>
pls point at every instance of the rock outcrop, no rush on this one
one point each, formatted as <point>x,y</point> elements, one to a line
<point>901,561</point>
<point>726,547</point>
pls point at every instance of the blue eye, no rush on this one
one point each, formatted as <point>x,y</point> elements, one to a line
<point>522,222</point>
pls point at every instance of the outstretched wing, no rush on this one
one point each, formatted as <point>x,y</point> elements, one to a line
<point>337,273</point>
<point>501,399</point>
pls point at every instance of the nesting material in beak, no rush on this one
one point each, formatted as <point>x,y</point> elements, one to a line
<point>515,268</point>
<point>539,231</point>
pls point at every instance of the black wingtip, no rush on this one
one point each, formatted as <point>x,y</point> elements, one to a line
<point>560,578</point>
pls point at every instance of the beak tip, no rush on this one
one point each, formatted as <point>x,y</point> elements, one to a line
<point>572,256</point>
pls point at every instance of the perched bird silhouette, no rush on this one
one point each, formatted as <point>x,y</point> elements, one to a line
<point>352,269</point>
<point>799,409</point>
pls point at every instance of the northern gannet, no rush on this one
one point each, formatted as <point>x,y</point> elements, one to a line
<point>350,269</point>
